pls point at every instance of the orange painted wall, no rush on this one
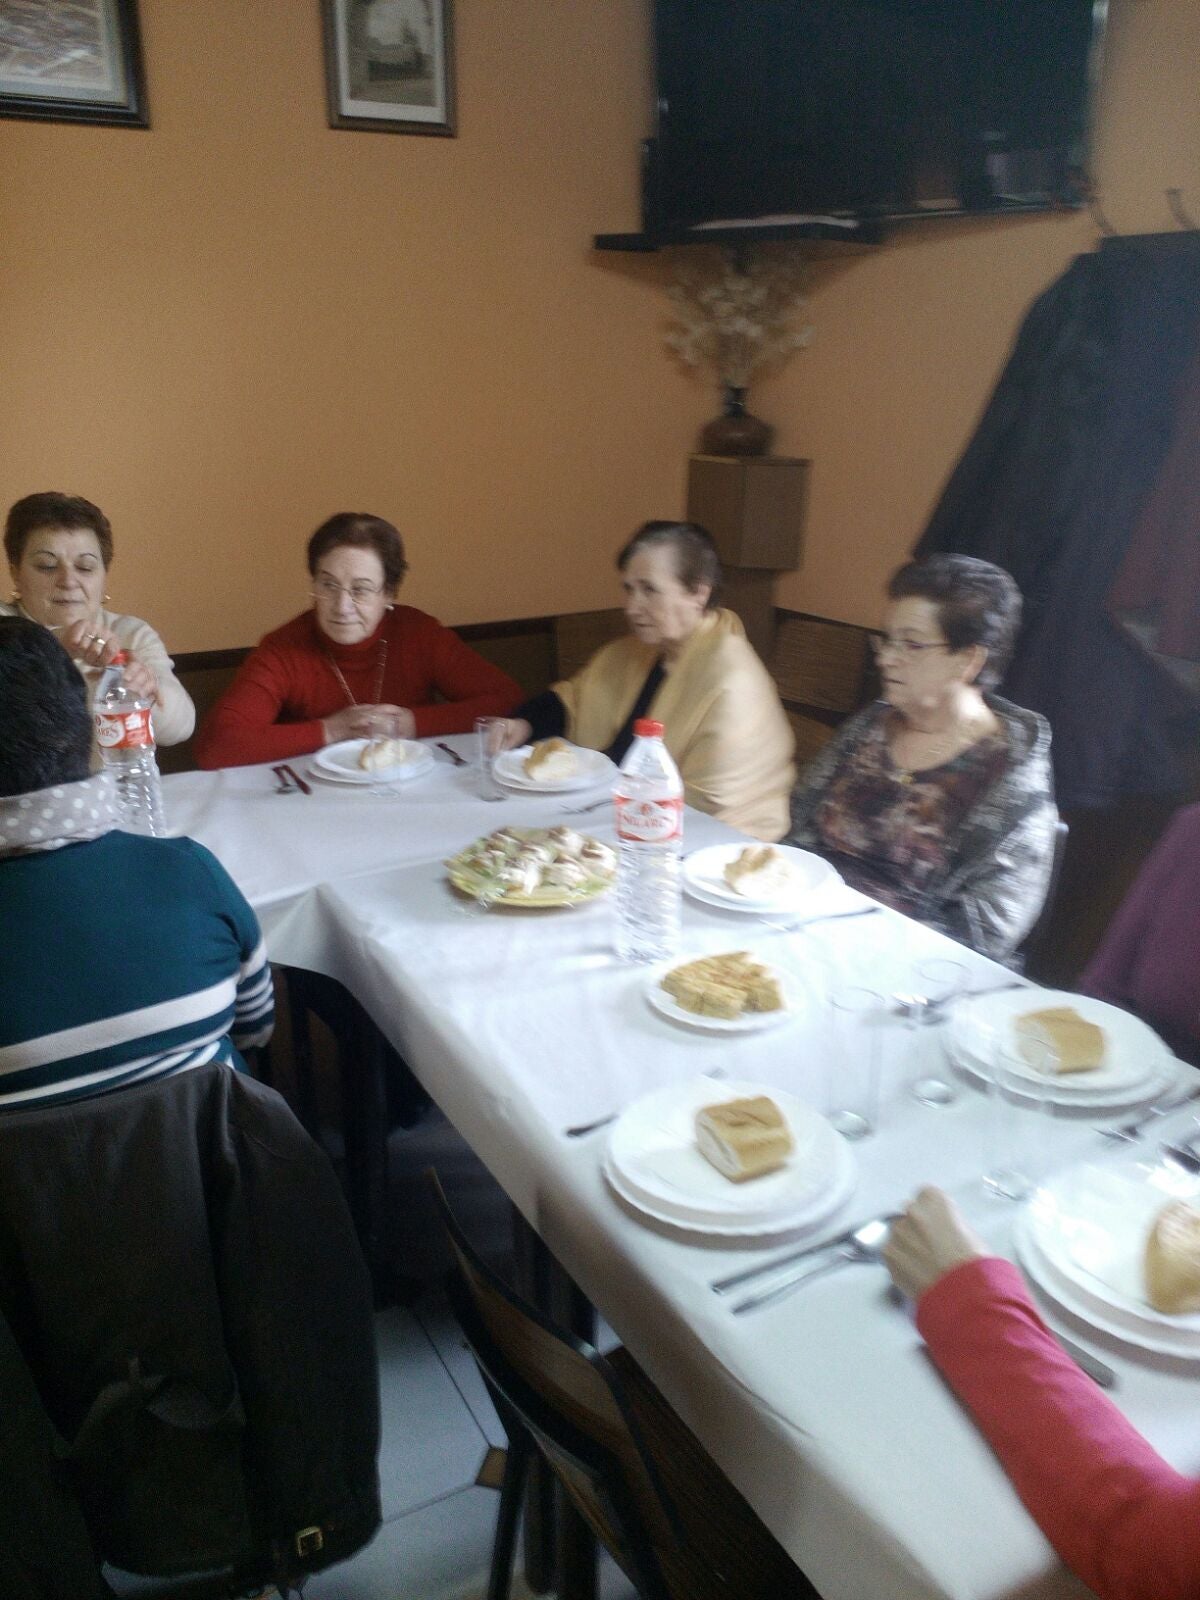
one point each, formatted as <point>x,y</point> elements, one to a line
<point>228,327</point>
<point>909,342</point>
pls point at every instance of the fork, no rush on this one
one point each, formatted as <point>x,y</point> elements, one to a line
<point>1130,1132</point>
<point>579,811</point>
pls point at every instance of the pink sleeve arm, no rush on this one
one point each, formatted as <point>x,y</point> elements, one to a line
<point>1121,1518</point>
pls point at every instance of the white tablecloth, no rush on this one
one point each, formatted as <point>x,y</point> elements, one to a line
<point>823,1409</point>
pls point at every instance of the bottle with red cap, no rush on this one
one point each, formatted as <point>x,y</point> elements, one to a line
<point>648,796</point>
<point>125,735</point>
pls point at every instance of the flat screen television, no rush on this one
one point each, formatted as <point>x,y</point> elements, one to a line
<point>867,108</point>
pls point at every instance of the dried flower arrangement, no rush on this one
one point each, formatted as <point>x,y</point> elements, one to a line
<point>736,313</point>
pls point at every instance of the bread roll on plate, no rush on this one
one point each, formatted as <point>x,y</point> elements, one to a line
<point>744,1138</point>
<point>1076,1045</point>
<point>1173,1259</point>
<point>551,760</point>
<point>379,754</point>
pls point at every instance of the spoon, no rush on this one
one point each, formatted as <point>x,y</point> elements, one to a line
<point>864,1244</point>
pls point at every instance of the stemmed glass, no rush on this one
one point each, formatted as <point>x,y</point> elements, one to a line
<point>382,725</point>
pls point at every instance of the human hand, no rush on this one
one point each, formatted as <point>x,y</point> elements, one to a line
<point>140,680</point>
<point>513,732</point>
<point>389,722</point>
<point>83,644</point>
<point>927,1241</point>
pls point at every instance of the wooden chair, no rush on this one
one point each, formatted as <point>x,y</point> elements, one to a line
<point>633,1471</point>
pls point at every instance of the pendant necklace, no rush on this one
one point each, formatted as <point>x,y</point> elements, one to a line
<point>382,664</point>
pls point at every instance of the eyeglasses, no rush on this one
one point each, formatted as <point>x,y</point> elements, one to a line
<point>360,593</point>
<point>909,648</point>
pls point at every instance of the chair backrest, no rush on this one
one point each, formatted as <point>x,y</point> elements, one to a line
<point>567,1397</point>
<point>1033,941</point>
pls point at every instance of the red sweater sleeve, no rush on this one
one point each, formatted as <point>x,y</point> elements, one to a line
<point>243,726</point>
<point>470,686</point>
<point>1121,1518</point>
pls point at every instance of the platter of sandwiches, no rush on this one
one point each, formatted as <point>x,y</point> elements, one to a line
<point>552,766</point>
<point>729,993</point>
<point>1118,1245</point>
<point>728,1159</point>
<point>756,878</point>
<point>1073,1050</point>
<point>372,761</point>
<point>534,868</point>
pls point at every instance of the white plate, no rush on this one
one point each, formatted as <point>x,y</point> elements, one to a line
<point>340,762</point>
<point>704,877</point>
<point>594,768</point>
<point>1134,1053</point>
<point>1059,1092</point>
<point>1082,1238</point>
<point>653,1163</point>
<point>748,1022</point>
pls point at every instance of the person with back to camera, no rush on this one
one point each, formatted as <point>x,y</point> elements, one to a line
<point>93,995</point>
<point>1119,1516</point>
<point>59,550</point>
<point>330,673</point>
<point>938,800</point>
<point>687,664</point>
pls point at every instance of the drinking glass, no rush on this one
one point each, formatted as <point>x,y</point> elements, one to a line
<point>852,1065</point>
<point>382,725</point>
<point>488,738</point>
<point>934,981</point>
<point>1020,1117</point>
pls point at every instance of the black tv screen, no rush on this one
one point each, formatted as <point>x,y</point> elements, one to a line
<point>867,107</point>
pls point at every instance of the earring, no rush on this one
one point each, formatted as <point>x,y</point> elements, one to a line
<point>16,597</point>
<point>391,605</point>
<point>104,599</point>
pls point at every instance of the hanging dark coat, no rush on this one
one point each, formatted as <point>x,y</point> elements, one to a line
<point>1052,486</point>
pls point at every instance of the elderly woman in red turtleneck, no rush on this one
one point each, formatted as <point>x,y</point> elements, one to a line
<point>322,676</point>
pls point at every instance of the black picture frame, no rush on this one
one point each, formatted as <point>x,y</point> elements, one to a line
<point>389,65</point>
<point>99,52</point>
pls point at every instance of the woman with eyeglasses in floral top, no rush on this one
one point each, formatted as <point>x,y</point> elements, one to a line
<point>355,658</point>
<point>938,799</point>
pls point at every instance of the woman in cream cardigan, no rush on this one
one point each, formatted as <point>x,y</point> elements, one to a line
<point>689,665</point>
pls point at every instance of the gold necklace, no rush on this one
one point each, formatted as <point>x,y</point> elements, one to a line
<point>940,752</point>
<point>337,672</point>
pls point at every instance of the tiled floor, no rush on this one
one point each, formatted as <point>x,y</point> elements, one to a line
<point>436,1540</point>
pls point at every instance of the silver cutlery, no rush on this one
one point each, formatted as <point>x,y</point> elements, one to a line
<point>829,916</point>
<point>747,1274</point>
<point>580,1128</point>
<point>864,1243</point>
<point>453,754</point>
<point>581,811</point>
<point>918,1007</point>
<point>283,783</point>
<point>1100,1374</point>
<point>1183,1155</point>
<point>1130,1132</point>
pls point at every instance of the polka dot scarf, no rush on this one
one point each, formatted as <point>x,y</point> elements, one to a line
<point>47,819</point>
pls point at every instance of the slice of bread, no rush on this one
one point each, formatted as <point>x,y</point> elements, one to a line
<point>1075,1044</point>
<point>551,760</point>
<point>744,1138</point>
<point>1172,1262</point>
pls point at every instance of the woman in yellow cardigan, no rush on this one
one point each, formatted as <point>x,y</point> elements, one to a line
<point>689,665</point>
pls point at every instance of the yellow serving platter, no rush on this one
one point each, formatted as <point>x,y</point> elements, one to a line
<point>469,881</point>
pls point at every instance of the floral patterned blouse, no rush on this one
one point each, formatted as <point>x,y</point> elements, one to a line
<point>888,831</point>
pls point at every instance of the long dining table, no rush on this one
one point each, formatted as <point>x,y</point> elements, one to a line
<point>823,1409</point>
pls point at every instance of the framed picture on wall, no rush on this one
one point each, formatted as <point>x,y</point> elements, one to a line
<point>72,61</point>
<point>389,65</point>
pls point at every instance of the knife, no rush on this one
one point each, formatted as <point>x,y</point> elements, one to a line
<point>453,754</point>
<point>303,787</point>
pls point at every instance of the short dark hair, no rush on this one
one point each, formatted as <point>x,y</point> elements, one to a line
<point>54,510</point>
<point>360,531</point>
<point>46,729</point>
<point>977,603</point>
<point>696,560</point>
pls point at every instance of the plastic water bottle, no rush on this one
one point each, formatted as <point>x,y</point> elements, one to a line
<point>125,734</point>
<point>648,796</point>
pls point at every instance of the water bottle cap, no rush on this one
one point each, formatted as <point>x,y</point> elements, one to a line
<point>647,728</point>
